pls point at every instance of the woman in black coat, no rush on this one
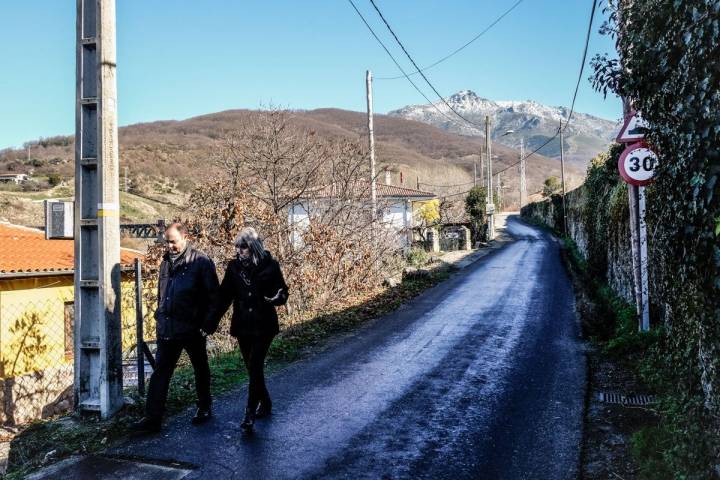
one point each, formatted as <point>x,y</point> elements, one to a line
<point>254,284</point>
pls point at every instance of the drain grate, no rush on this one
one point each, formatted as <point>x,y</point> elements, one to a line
<point>631,400</point>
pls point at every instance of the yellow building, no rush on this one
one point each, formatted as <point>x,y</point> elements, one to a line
<point>36,319</point>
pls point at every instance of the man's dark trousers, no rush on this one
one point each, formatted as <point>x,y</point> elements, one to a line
<point>166,359</point>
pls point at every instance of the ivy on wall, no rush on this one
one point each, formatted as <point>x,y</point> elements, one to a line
<point>670,69</point>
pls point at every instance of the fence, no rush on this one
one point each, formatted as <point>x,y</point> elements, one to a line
<point>36,354</point>
<point>141,300</point>
<point>37,343</point>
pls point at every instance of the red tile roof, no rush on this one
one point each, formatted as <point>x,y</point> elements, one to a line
<point>398,191</point>
<point>362,189</point>
<point>25,250</point>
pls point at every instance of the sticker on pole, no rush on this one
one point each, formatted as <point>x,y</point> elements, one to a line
<point>633,129</point>
<point>637,164</point>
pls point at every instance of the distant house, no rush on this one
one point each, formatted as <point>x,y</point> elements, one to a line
<point>15,178</point>
<point>397,202</point>
<point>36,322</point>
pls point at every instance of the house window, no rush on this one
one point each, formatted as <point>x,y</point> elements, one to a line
<point>69,321</point>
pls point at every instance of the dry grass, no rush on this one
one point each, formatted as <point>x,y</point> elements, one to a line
<point>171,157</point>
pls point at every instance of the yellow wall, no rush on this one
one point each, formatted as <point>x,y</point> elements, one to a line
<point>32,322</point>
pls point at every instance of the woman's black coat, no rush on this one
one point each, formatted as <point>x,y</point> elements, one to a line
<point>252,313</point>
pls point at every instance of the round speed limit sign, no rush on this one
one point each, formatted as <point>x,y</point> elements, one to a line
<point>637,164</point>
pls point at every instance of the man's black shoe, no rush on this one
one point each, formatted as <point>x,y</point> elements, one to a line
<point>147,425</point>
<point>264,409</point>
<point>201,416</point>
<point>248,422</point>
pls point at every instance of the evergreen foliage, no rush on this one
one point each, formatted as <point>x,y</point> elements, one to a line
<point>668,67</point>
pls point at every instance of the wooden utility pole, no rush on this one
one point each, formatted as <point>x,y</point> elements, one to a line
<point>475,173</point>
<point>562,178</point>
<point>499,192</point>
<point>371,134</point>
<point>523,186</point>
<point>490,205</point>
<point>98,362</point>
<point>482,169</point>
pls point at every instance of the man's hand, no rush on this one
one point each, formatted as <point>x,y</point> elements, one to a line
<point>277,296</point>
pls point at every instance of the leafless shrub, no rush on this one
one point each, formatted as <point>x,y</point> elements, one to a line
<point>309,199</point>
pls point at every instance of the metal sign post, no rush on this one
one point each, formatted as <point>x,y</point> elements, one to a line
<point>637,165</point>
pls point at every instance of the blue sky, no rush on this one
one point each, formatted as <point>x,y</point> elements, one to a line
<point>181,58</point>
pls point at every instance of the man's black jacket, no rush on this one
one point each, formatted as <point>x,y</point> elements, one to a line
<point>252,315</point>
<point>187,293</point>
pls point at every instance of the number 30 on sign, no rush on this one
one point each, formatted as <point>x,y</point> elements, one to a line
<point>637,164</point>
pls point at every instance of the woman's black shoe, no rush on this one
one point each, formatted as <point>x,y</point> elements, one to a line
<point>147,425</point>
<point>249,421</point>
<point>201,416</point>
<point>264,409</point>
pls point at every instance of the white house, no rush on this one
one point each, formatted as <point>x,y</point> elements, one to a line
<point>15,178</point>
<point>396,203</point>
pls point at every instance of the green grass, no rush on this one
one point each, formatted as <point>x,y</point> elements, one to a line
<point>647,446</point>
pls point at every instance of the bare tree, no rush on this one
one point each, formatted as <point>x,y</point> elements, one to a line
<point>332,254</point>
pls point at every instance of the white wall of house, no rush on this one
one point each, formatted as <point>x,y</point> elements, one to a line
<point>299,221</point>
<point>13,178</point>
<point>398,216</point>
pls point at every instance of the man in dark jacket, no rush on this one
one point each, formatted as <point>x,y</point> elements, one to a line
<point>187,292</point>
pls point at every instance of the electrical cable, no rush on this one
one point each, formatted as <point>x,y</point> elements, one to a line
<point>582,64</point>
<point>446,186</point>
<point>462,47</point>
<point>419,70</point>
<point>530,154</point>
<point>400,67</point>
<point>577,87</point>
<point>477,126</point>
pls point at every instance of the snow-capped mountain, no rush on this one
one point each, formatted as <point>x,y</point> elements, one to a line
<point>534,122</point>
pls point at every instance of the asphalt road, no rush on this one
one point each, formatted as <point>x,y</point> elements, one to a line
<point>482,377</point>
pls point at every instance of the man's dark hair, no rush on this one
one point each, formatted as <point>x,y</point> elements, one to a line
<point>179,226</point>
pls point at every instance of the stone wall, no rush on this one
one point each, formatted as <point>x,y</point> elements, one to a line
<point>604,229</point>
<point>36,395</point>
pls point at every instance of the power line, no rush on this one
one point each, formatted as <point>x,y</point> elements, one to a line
<point>582,65</point>
<point>446,186</point>
<point>462,47</point>
<point>419,70</point>
<point>400,67</point>
<point>577,87</point>
<point>531,153</point>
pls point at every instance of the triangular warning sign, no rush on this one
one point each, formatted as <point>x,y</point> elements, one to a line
<point>633,130</point>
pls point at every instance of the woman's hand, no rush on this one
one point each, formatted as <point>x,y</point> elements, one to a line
<point>275,298</point>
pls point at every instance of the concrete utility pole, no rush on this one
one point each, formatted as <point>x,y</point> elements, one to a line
<point>562,177</point>
<point>523,186</point>
<point>490,206</point>
<point>98,365</point>
<point>371,134</point>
